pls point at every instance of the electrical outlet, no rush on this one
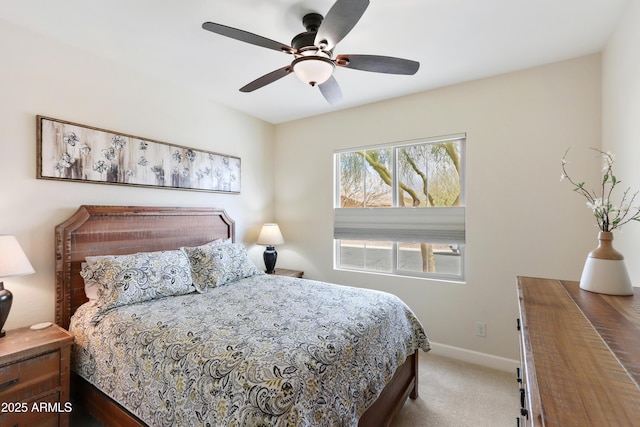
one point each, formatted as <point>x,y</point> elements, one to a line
<point>481,329</point>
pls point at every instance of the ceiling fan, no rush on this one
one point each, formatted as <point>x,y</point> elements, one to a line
<point>313,59</point>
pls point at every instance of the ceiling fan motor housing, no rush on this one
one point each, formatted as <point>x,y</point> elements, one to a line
<point>304,40</point>
<point>311,22</point>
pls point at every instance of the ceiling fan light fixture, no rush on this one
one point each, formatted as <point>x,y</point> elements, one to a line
<point>313,70</point>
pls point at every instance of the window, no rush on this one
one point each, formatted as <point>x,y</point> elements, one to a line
<point>399,208</point>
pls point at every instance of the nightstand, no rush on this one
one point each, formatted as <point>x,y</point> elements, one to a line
<point>290,273</point>
<point>34,377</point>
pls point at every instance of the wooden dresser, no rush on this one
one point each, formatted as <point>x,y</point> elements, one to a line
<point>34,377</point>
<point>580,356</point>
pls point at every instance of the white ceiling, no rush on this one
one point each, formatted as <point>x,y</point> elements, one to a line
<point>454,41</point>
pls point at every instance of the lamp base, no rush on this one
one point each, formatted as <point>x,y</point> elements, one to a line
<point>270,256</point>
<point>6,298</point>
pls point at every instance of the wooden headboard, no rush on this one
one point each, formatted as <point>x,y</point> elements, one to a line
<point>117,230</point>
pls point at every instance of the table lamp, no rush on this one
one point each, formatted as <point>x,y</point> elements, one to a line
<point>270,235</point>
<point>13,262</point>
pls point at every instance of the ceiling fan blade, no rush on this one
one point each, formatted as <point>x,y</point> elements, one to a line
<point>341,18</point>
<point>247,37</point>
<point>266,79</point>
<point>331,91</point>
<point>378,64</point>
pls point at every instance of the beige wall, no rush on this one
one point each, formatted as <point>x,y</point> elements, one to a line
<point>621,122</point>
<point>39,76</point>
<point>520,219</point>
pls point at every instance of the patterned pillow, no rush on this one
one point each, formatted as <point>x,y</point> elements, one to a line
<point>128,279</point>
<point>214,264</point>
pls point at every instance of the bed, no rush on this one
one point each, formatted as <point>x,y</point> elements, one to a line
<point>270,391</point>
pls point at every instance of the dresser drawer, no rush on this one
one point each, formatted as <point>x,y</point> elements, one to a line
<point>31,377</point>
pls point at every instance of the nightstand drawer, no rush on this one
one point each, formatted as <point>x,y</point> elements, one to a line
<point>34,377</point>
<point>31,377</point>
<point>43,412</point>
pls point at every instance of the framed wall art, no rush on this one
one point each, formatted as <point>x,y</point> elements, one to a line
<point>75,152</point>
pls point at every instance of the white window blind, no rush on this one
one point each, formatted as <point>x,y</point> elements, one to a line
<point>444,224</point>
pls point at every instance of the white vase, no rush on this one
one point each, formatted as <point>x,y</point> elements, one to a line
<point>604,271</point>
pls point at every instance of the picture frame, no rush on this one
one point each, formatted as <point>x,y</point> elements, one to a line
<point>70,151</point>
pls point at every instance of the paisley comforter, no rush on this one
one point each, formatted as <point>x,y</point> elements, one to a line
<point>261,351</point>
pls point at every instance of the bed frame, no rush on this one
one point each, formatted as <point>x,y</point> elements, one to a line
<point>104,230</point>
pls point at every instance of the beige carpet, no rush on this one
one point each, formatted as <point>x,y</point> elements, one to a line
<point>458,394</point>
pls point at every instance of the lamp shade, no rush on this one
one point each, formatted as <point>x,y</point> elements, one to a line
<point>270,235</point>
<point>13,261</point>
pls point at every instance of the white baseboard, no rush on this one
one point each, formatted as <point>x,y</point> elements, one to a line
<point>475,357</point>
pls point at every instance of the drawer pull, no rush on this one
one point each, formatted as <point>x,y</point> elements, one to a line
<point>523,410</point>
<point>8,384</point>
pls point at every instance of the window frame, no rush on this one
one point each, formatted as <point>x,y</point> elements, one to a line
<point>395,147</point>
